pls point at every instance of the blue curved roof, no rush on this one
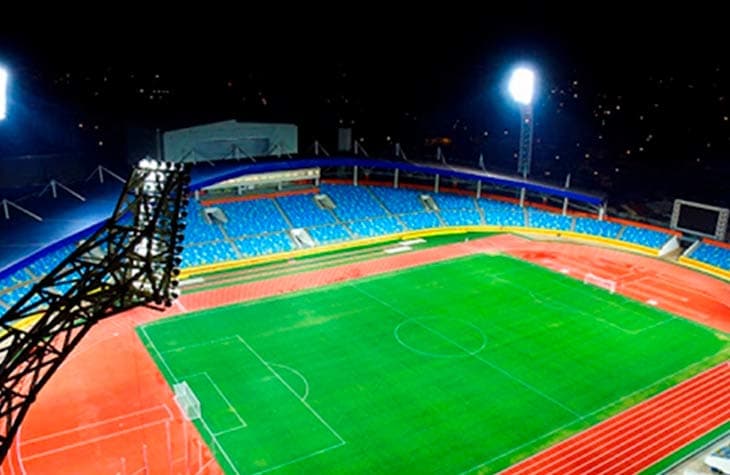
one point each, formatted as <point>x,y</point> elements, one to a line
<point>203,177</point>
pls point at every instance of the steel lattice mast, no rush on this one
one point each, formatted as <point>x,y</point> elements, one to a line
<point>131,261</point>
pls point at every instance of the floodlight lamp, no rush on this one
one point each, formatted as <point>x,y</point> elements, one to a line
<point>522,85</point>
<point>3,92</point>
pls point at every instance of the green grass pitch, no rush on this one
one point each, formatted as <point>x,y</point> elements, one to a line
<point>465,365</point>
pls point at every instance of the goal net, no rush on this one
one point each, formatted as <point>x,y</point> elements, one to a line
<point>186,400</point>
<point>607,284</point>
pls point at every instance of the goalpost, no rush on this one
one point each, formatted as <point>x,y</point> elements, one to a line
<point>187,401</point>
<point>601,282</point>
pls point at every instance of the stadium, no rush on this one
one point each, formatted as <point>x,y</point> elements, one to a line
<point>241,302</point>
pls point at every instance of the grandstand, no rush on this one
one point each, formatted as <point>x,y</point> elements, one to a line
<point>261,226</point>
<point>230,231</point>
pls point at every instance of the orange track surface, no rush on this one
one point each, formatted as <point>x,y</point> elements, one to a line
<point>109,411</point>
<point>642,435</point>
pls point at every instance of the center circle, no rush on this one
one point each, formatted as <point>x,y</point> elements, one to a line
<point>440,337</point>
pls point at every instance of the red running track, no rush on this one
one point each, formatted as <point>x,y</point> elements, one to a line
<point>642,435</point>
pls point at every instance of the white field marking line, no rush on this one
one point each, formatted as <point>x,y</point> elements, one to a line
<point>300,375</point>
<point>201,419</point>
<point>169,412</point>
<point>557,305</point>
<point>476,356</point>
<point>572,438</point>
<point>95,424</point>
<point>220,447</point>
<point>278,376</point>
<point>645,460</point>
<point>21,461</point>
<point>223,396</point>
<point>93,440</point>
<point>179,305</point>
<point>632,450</point>
<point>643,408</point>
<point>299,459</point>
<point>204,466</point>
<point>561,306</point>
<point>159,355</point>
<point>197,345</point>
<point>226,431</point>
<point>519,447</point>
<point>677,417</point>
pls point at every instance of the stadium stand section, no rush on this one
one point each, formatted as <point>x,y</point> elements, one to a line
<point>446,201</point>
<point>260,215</point>
<point>713,255</point>
<point>209,253</point>
<point>353,203</point>
<point>461,217</point>
<point>376,227</point>
<point>399,201</point>
<point>261,226</point>
<point>425,220</point>
<point>594,227</point>
<point>264,244</point>
<point>330,234</point>
<point>645,237</point>
<point>303,212</point>
<point>502,214</point>
<point>545,220</point>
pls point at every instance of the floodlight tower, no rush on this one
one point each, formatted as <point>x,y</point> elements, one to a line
<point>522,88</point>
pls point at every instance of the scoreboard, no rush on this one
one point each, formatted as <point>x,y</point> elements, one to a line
<point>700,219</point>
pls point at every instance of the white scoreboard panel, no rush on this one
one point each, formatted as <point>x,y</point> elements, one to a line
<point>700,219</point>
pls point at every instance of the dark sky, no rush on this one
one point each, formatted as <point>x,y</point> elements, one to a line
<point>408,72</point>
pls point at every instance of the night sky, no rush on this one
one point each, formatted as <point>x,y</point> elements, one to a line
<point>627,99</point>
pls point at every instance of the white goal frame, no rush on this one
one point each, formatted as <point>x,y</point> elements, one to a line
<point>601,282</point>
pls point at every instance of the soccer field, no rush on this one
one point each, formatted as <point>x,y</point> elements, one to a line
<point>467,364</point>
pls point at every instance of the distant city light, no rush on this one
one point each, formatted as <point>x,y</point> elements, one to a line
<point>3,93</point>
<point>522,85</point>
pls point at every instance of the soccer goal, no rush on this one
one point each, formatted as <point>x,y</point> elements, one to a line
<point>186,401</point>
<point>607,284</point>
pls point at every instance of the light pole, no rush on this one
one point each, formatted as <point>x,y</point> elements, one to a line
<point>522,88</point>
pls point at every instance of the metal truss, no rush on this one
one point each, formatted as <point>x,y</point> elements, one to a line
<point>131,261</point>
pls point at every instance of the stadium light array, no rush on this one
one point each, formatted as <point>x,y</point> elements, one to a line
<point>3,93</point>
<point>522,85</point>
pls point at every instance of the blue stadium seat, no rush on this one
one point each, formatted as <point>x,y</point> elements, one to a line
<point>645,237</point>
<point>47,263</point>
<point>594,227</point>
<point>198,230</point>
<point>303,212</point>
<point>499,213</point>
<point>545,220</point>
<point>399,201</point>
<point>264,244</point>
<point>461,217</point>
<point>353,203</point>
<point>424,220</point>
<point>713,255</point>
<point>329,234</point>
<point>376,227</point>
<point>447,201</point>
<point>252,217</point>
<point>207,254</point>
